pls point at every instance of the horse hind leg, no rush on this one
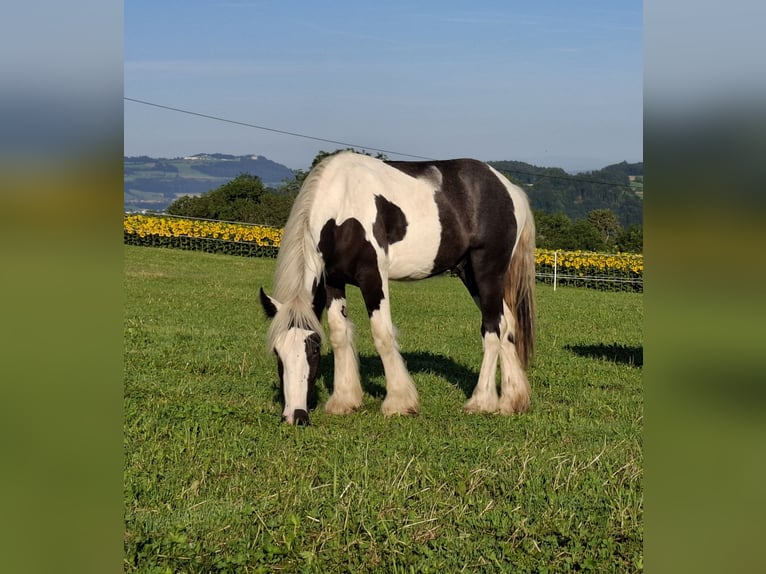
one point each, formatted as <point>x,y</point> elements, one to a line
<point>347,389</point>
<point>484,398</point>
<point>515,390</point>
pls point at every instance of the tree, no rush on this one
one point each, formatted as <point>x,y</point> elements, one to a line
<point>292,185</point>
<point>236,200</point>
<point>558,232</point>
<point>553,231</point>
<point>631,240</point>
<point>275,208</point>
<point>583,235</point>
<point>190,206</point>
<point>606,223</point>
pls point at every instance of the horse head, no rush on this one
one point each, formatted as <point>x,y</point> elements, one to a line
<point>297,350</point>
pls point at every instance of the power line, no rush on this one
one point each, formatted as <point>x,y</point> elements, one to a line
<point>273,130</point>
<point>564,177</point>
<point>366,148</point>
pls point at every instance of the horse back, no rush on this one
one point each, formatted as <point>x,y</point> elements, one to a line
<point>422,218</point>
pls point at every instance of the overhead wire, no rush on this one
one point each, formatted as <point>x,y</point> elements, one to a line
<point>357,146</point>
<point>273,130</point>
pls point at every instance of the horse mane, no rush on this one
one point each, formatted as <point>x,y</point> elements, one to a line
<point>297,258</point>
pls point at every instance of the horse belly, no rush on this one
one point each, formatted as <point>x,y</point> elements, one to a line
<point>413,257</point>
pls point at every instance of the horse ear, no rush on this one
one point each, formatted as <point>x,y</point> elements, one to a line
<point>270,305</point>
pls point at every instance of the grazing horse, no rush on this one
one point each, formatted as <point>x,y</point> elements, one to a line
<point>362,221</point>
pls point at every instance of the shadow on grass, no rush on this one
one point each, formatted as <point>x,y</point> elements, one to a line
<point>614,352</point>
<point>371,371</point>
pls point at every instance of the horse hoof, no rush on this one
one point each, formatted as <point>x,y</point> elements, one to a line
<point>335,407</point>
<point>480,406</point>
<point>300,418</point>
<point>518,404</point>
<point>389,410</point>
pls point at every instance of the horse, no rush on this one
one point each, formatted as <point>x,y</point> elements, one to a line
<point>362,221</point>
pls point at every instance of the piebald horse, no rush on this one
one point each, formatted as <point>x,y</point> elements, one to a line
<point>361,221</point>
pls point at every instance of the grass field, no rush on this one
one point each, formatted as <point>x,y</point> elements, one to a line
<point>214,483</point>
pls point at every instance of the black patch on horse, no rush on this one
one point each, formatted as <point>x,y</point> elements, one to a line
<point>351,259</point>
<point>268,306</point>
<point>313,345</point>
<point>390,223</point>
<point>473,205</point>
<point>320,297</point>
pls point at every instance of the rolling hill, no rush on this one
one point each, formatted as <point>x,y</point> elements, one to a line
<point>618,187</point>
<point>151,184</point>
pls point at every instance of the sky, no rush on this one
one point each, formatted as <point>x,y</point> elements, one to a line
<point>550,83</point>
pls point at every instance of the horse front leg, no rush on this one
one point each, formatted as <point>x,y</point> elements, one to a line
<point>401,394</point>
<point>347,389</point>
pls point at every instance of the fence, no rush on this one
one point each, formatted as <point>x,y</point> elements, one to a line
<point>213,236</point>
<point>604,271</point>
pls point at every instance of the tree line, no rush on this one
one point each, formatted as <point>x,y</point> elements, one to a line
<point>552,190</point>
<point>247,200</point>
<point>244,199</point>
<point>599,231</point>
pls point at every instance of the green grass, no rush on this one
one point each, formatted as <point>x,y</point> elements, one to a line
<point>214,482</point>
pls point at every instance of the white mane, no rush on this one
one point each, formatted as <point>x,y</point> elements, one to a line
<point>298,262</point>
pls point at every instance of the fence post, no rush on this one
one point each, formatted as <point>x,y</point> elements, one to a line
<point>555,267</point>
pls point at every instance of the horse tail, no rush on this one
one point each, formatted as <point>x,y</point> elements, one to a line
<point>519,292</point>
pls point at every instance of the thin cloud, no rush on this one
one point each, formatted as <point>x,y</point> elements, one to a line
<point>242,4</point>
<point>201,67</point>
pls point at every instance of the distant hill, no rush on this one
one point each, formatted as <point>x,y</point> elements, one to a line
<point>153,183</point>
<point>618,187</point>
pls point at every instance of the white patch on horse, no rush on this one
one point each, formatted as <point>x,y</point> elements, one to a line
<point>291,348</point>
<point>401,394</point>
<point>514,386</point>
<point>484,397</point>
<point>347,390</point>
<point>351,183</point>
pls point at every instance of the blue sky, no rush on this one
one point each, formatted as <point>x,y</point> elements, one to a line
<point>549,83</point>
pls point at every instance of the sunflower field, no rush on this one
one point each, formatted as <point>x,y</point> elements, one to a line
<point>201,235</point>
<point>604,271</point>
